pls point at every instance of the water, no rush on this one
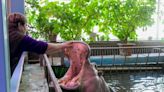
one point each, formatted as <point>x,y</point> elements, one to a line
<point>147,81</point>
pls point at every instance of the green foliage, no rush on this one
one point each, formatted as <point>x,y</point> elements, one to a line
<point>71,20</point>
<point>123,17</point>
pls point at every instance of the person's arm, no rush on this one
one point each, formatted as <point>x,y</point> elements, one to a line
<point>53,48</point>
<point>40,47</point>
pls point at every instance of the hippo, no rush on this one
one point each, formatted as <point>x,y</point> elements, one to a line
<point>82,74</point>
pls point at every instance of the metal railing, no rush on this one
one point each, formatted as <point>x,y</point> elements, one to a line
<point>143,57</point>
<point>17,75</point>
<point>47,64</point>
<point>115,50</point>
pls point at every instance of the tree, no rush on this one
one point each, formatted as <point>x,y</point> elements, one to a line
<point>123,17</point>
<point>71,20</point>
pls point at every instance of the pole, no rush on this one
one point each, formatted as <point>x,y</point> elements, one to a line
<point>4,50</point>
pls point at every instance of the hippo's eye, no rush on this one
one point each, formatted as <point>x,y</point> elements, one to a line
<point>100,73</point>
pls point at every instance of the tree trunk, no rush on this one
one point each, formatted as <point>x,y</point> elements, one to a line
<point>53,37</point>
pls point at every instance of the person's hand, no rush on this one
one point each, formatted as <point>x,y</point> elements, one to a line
<point>67,45</point>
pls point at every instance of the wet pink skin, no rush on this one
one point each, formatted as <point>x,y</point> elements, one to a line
<point>81,72</point>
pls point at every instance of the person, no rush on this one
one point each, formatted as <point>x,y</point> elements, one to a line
<point>19,41</point>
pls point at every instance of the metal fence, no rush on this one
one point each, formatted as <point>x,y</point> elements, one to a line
<point>141,58</point>
<point>135,50</point>
<point>110,58</point>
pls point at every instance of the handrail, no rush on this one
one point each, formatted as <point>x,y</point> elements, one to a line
<point>52,75</point>
<point>137,47</point>
<point>16,77</point>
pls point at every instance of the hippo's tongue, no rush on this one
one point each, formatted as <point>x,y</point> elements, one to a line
<point>75,66</point>
<point>70,80</point>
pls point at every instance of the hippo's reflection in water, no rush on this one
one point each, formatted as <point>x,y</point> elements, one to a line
<point>82,76</point>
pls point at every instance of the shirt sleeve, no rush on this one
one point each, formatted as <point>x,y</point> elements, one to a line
<point>30,44</point>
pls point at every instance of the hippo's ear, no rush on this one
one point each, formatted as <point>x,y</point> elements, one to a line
<point>94,64</point>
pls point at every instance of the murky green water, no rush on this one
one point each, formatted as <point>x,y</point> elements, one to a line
<point>145,81</point>
<point>139,81</point>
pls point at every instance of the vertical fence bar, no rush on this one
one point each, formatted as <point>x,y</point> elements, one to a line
<point>114,58</point>
<point>147,60</point>
<point>158,55</point>
<point>125,59</point>
<point>101,60</point>
<point>137,51</point>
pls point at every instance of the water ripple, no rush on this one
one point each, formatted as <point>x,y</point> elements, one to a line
<point>136,82</point>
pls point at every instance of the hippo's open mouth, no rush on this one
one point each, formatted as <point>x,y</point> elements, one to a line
<point>76,55</point>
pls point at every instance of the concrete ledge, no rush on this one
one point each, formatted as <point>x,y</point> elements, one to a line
<point>33,79</point>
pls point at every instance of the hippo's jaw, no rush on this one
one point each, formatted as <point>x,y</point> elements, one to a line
<point>71,79</point>
<point>76,56</point>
